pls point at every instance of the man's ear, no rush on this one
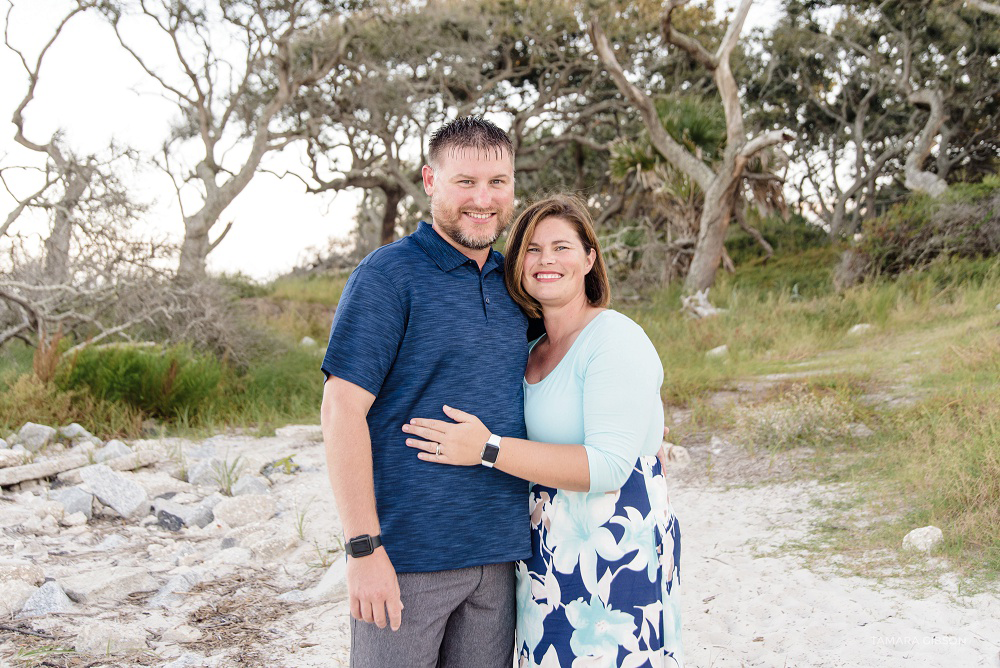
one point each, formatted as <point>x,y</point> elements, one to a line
<point>427,172</point>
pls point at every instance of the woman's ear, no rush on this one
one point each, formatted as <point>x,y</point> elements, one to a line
<point>591,259</point>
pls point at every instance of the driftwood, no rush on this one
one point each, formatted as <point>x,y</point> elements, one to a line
<point>42,469</point>
<point>10,458</point>
<point>131,462</point>
<point>698,306</point>
<point>67,468</point>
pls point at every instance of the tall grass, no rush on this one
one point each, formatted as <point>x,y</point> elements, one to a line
<point>314,288</point>
<point>945,457</point>
<point>766,329</point>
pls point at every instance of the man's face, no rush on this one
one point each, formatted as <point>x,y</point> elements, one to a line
<point>472,195</point>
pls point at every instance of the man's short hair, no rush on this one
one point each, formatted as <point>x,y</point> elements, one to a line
<point>470,132</point>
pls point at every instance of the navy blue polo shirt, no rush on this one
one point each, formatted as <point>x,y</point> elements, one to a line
<point>420,326</point>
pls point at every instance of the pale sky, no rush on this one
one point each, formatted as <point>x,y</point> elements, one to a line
<point>94,92</point>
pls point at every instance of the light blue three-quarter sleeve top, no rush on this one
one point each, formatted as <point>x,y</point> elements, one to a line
<point>605,394</point>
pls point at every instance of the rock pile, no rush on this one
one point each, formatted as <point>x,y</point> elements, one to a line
<point>116,545</point>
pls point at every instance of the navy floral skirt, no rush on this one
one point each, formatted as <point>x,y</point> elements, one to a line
<point>602,586</point>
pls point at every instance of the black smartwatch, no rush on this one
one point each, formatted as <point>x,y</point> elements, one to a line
<point>363,545</point>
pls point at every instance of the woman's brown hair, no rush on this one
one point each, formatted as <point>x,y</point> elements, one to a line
<point>573,210</point>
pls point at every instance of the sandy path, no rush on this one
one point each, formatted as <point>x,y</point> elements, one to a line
<point>749,600</point>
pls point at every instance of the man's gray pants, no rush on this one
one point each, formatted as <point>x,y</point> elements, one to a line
<point>461,618</point>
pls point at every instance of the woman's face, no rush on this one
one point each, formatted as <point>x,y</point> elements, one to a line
<point>555,263</point>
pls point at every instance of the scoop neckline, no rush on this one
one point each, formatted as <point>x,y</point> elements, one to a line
<point>574,344</point>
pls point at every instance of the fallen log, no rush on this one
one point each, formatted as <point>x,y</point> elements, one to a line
<point>43,469</point>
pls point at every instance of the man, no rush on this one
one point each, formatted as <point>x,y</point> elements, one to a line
<point>424,322</point>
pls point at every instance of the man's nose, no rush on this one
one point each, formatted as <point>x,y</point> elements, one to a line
<point>482,196</point>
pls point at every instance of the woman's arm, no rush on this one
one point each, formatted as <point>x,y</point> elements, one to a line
<point>551,464</point>
<point>622,413</point>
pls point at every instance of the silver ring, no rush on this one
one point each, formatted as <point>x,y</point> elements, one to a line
<point>437,452</point>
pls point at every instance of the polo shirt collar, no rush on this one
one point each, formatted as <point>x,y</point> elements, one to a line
<point>446,256</point>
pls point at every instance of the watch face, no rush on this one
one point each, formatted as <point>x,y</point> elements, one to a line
<point>361,546</point>
<point>490,453</point>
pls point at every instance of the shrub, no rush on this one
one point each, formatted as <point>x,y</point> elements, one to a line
<point>163,383</point>
<point>28,399</point>
<point>964,223</point>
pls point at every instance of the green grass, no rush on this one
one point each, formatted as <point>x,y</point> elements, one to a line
<point>935,341</point>
<point>769,330</point>
<point>315,288</point>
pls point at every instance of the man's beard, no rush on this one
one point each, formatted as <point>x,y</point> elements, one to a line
<point>448,223</point>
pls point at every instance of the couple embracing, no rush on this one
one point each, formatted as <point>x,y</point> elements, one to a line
<point>492,487</point>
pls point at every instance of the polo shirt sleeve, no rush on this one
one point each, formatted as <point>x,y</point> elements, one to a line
<point>367,330</point>
<point>621,403</point>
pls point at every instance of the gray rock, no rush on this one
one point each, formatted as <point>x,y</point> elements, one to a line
<point>307,342</point>
<point>159,483</point>
<point>74,432</point>
<point>251,484</point>
<point>270,547</point>
<point>719,351</point>
<point>212,500</point>
<point>13,595</point>
<point>244,510</point>
<point>107,638</point>
<point>169,595</point>
<point>74,500</point>
<point>205,472</point>
<point>73,520</point>
<point>112,450</point>
<point>173,516</point>
<point>677,456</point>
<point>109,584</point>
<point>34,437</point>
<point>49,598</point>
<point>860,328</point>
<point>333,585</point>
<point>3,444</point>
<point>11,439</point>
<point>25,571</point>
<point>923,539</point>
<point>113,489</point>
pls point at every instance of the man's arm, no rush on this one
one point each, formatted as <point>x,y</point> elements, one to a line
<point>371,581</point>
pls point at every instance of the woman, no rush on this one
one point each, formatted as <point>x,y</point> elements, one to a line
<point>601,586</point>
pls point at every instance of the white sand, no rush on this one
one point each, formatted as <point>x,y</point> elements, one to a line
<point>767,608</point>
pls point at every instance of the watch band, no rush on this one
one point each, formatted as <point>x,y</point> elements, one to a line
<point>490,451</point>
<point>363,545</point>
